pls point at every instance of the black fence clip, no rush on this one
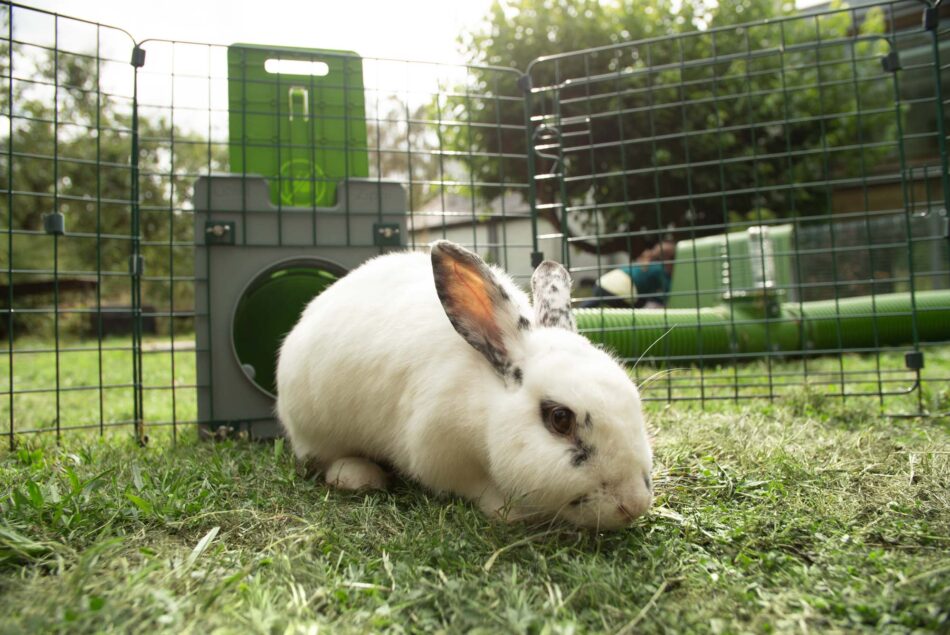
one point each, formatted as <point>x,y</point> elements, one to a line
<point>931,19</point>
<point>891,62</point>
<point>138,57</point>
<point>54,224</point>
<point>914,360</point>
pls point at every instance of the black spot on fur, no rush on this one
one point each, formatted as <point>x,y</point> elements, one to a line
<point>555,288</point>
<point>580,453</point>
<point>588,422</point>
<point>524,323</point>
<point>517,376</point>
<point>647,482</point>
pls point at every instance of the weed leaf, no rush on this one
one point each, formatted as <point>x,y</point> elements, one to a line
<point>36,496</point>
<point>143,505</point>
<point>201,546</point>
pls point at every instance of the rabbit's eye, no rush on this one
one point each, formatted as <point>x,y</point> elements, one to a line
<point>559,419</point>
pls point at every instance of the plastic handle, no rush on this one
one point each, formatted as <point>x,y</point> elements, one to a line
<point>299,94</point>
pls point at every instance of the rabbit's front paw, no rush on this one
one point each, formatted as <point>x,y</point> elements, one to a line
<point>355,473</point>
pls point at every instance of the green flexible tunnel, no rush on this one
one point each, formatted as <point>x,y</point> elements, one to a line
<point>751,325</point>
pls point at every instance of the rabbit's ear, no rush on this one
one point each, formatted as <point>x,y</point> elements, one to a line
<point>478,306</point>
<point>551,296</point>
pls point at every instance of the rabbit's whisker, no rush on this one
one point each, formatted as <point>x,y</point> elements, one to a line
<point>668,331</point>
<point>658,375</point>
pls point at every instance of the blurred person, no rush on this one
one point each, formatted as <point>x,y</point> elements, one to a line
<point>644,283</point>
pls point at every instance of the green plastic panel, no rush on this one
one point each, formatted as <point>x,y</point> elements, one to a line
<point>304,130</point>
<point>698,272</point>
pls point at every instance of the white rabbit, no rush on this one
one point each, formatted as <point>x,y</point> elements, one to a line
<point>438,366</point>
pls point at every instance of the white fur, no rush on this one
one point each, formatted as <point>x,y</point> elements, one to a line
<point>375,370</point>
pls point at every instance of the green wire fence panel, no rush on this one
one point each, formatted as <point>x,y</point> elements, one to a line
<point>68,201</point>
<point>204,192</point>
<point>769,198</point>
<point>746,205</point>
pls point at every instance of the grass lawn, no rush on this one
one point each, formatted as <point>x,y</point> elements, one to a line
<point>807,514</point>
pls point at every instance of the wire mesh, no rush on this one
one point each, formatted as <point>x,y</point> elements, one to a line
<point>104,321</point>
<point>787,177</point>
<point>785,162</point>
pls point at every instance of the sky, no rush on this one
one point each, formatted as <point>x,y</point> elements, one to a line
<point>423,30</point>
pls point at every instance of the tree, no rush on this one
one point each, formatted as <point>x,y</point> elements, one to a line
<point>695,124</point>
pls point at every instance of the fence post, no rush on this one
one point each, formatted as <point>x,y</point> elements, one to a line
<point>136,262</point>
<point>9,176</point>
<point>931,20</point>
<point>931,23</point>
<point>891,64</point>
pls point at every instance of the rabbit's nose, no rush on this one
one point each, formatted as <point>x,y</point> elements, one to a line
<point>635,499</point>
<point>633,506</point>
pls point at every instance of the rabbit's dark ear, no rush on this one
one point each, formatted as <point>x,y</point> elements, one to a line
<point>477,306</point>
<point>551,296</point>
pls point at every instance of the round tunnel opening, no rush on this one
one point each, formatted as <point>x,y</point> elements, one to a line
<point>269,307</point>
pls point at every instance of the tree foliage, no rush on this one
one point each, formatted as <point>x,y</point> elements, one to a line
<point>694,123</point>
